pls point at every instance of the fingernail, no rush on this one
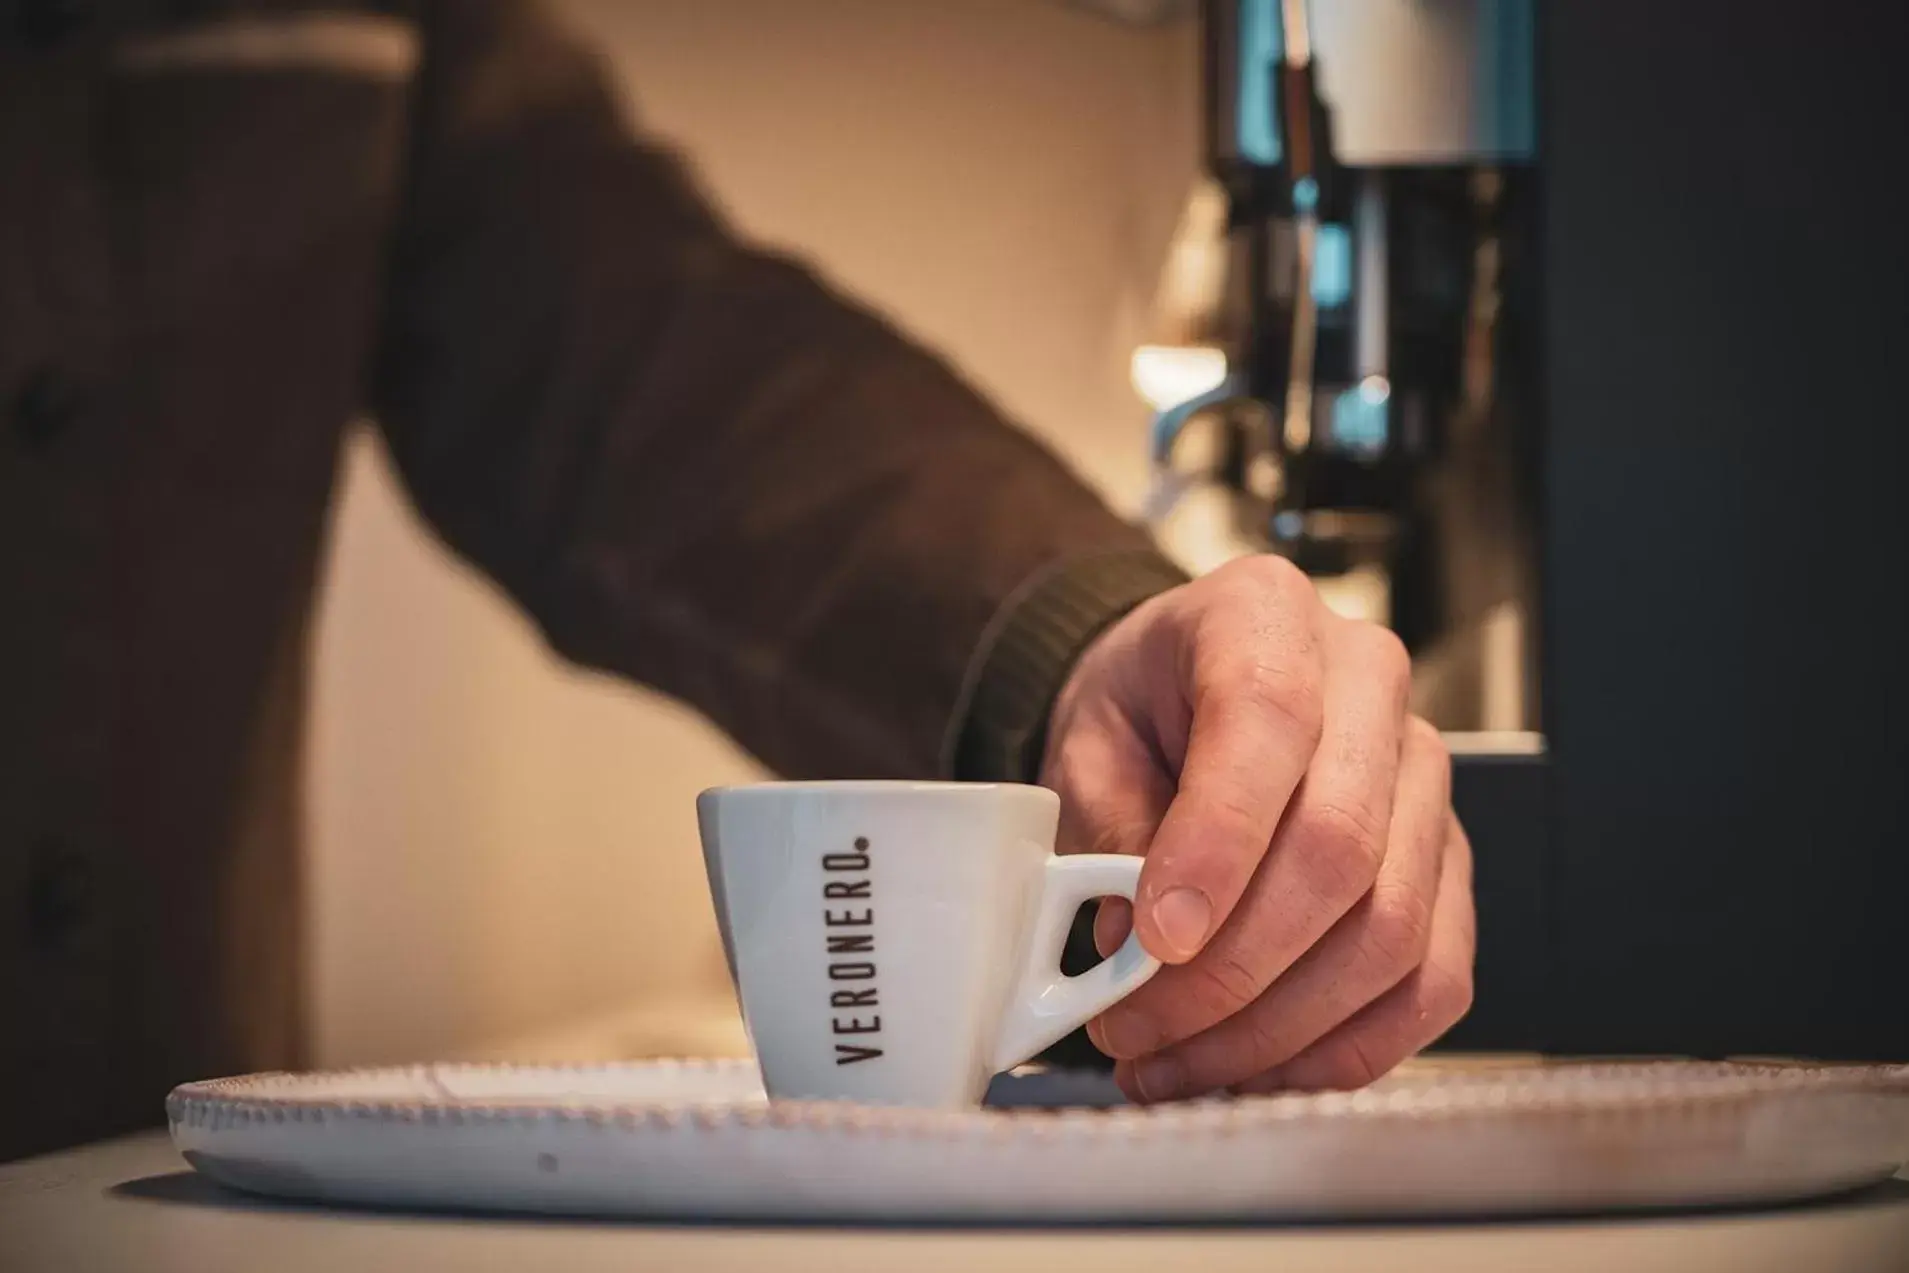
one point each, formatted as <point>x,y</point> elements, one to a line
<point>1126,1034</point>
<point>1182,916</point>
<point>1159,1078</point>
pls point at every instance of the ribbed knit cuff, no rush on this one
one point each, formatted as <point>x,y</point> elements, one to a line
<point>1024,661</point>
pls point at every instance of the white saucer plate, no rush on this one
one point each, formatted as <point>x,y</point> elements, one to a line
<point>698,1140</point>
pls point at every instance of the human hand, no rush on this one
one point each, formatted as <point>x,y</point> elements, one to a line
<point>1307,883</point>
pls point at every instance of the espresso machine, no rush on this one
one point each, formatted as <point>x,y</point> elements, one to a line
<point>1343,348</point>
<point>1343,369</point>
<point>1374,335</point>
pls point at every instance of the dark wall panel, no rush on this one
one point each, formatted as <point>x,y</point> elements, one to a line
<point>1726,337</point>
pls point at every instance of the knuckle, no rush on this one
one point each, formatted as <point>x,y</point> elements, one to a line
<point>1263,1042</point>
<point>1465,927</point>
<point>1386,658</point>
<point>1292,694</point>
<point>1262,572</point>
<point>1397,932</point>
<point>1458,846</point>
<point>1340,845</point>
<point>1348,1063</point>
<point>1445,995</point>
<point>1252,598</point>
<point>1222,983</point>
<point>1430,743</point>
<point>1278,573</point>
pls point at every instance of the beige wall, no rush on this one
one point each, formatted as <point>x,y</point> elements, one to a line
<point>503,846</point>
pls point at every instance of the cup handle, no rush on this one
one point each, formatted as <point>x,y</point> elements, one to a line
<point>1048,1004</point>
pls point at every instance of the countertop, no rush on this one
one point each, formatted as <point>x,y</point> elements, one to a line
<point>131,1204</point>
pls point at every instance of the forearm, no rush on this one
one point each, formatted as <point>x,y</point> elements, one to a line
<point>695,464</point>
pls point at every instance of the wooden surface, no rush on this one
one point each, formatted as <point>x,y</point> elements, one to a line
<point>132,1205</point>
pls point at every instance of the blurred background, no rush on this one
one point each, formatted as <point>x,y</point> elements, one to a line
<point>1560,338</point>
<point>1066,199</point>
<point>504,854</point>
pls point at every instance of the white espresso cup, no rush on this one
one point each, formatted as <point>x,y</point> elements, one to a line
<point>900,942</point>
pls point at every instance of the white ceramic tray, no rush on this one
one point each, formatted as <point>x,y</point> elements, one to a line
<point>699,1140</point>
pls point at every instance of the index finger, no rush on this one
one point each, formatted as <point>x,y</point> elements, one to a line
<point>1253,671</point>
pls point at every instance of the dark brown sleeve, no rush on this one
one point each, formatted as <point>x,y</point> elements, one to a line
<point>693,463</point>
